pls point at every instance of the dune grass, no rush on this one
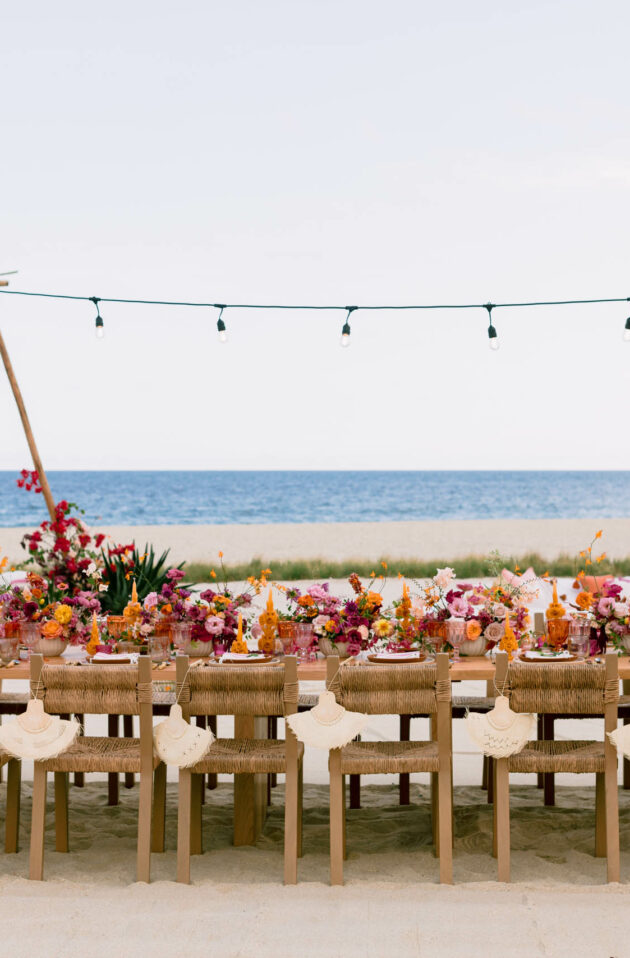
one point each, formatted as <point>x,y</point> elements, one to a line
<point>473,566</point>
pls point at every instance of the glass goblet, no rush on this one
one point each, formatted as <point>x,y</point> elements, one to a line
<point>456,635</point>
<point>29,635</point>
<point>304,636</point>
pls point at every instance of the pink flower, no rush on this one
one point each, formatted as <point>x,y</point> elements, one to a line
<point>256,631</point>
<point>151,601</point>
<point>319,623</point>
<point>214,625</point>
<point>459,608</point>
<point>319,592</point>
<point>605,607</point>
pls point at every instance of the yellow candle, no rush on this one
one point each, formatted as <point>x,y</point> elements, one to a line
<point>134,592</point>
<point>94,636</point>
<point>555,592</point>
<point>270,602</point>
<point>405,591</point>
<point>239,630</point>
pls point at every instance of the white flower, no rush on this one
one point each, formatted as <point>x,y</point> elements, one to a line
<point>498,610</point>
<point>363,629</point>
<point>443,578</point>
<point>103,587</point>
<point>621,609</point>
<point>91,569</point>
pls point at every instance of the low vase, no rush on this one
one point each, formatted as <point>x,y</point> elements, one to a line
<point>328,647</point>
<point>116,625</point>
<point>625,641</point>
<point>50,647</point>
<point>474,646</point>
<point>197,649</point>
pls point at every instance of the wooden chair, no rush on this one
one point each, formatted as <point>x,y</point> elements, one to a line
<point>570,689</point>
<point>269,690</point>
<point>12,820</point>
<point>394,690</point>
<point>98,690</point>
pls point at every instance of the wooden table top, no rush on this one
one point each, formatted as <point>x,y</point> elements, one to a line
<point>470,669</point>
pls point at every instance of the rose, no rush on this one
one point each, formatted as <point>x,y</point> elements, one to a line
<point>494,632</point>
<point>63,614</point>
<point>319,624</point>
<point>605,607</point>
<point>621,609</point>
<point>473,629</point>
<point>214,625</point>
<point>499,611</point>
<point>52,630</point>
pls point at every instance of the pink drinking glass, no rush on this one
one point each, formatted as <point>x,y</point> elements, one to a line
<point>304,636</point>
<point>456,635</point>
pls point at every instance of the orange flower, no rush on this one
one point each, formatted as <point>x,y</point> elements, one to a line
<point>306,600</point>
<point>473,629</point>
<point>52,630</point>
<point>598,535</point>
<point>213,574</point>
<point>166,609</point>
<point>583,600</point>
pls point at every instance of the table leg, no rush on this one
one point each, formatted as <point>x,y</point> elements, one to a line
<point>250,791</point>
<point>549,778</point>
<point>403,779</point>
<point>130,778</point>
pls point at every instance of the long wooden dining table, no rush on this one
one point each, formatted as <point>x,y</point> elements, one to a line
<point>250,791</point>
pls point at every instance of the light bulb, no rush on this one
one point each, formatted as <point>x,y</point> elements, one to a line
<point>100,331</point>
<point>345,339</point>
<point>494,344</point>
<point>223,336</point>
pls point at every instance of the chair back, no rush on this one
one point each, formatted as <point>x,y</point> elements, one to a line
<point>238,689</point>
<point>572,688</point>
<point>93,690</point>
<point>391,689</point>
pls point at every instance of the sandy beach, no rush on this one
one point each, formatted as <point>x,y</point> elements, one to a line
<point>339,541</point>
<point>391,902</point>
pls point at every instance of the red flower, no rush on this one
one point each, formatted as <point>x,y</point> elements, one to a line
<point>99,540</point>
<point>71,566</point>
<point>84,539</point>
<point>61,544</point>
<point>33,547</point>
<point>83,564</point>
<point>20,483</point>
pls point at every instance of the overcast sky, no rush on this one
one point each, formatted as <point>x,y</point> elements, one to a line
<point>327,151</point>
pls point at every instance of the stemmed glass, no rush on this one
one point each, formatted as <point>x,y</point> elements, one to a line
<point>456,635</point>
<point>304,636</point>
<point>29,635</point>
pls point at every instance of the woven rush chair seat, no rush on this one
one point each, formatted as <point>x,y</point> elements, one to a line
<point>307,700</point>
<point>229,756</point>
<point>164,698</point>
<point>94,754</point>
<point>473,703</point>
<point>556,756</point>
<point>384,758</point>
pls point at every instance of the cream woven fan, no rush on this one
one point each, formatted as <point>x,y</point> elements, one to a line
<point>500,732</point>
<point>176,742</point>
<point>327,725</point>
<point>36,735</point>
<point>621,740</point>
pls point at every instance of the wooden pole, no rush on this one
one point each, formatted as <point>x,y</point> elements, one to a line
<point>43,481</point>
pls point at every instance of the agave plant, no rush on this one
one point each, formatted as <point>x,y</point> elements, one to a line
<point>122,567</point>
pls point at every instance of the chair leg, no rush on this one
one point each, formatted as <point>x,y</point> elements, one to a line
<point>79,777</point>
<point>143,871</point>
<point>38,821</point>
<point>355,791</point>
<point>336,818</point>
<point>212,725</point>
<point>12,823</point>
<point>61,811</point>
<point>445,823</point>
<point>300,807</point>
<point>196,840</point>
<point>184,826</point>
<point>490,780</point>
<point>291,827</point>
<point>112,777</point>
<point>272,732</point>
<point>130,778</point>
<point>403,779</point>
<point>484,774</point>
<point>626,764</point>
<point>159,808</point>
<point>600,816</point>
<point>502,806</point>
<point>612,825</point>
<point>549,777</point>
<point>201,723</point>
<point>540,735</point>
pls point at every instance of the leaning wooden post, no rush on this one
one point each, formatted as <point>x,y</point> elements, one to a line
<point>43,481</point>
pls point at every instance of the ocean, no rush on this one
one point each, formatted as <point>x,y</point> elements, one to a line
<point>191,498</point>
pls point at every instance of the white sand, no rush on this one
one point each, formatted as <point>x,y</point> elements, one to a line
<point>391,903</point>
<point>444,539</point>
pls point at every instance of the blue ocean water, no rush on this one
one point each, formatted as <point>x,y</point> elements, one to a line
<point>147,498</point>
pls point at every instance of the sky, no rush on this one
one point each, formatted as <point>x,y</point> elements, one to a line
<point>320,152</point>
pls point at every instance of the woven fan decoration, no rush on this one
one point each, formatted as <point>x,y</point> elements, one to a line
<point>500,732</point>
<point>328,725</point>
<point>36,735</point>
<point>621,740</point>
<point>176,742</point>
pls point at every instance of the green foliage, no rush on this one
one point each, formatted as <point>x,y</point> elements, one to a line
<point>120,571</point>
<point>473,566</point>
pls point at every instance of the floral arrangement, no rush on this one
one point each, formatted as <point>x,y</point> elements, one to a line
<point>401,628</point>
<point>348,621</point>
<point>607,608</point>
<point>67,617</point>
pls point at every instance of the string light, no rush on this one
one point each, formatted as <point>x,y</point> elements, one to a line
<point>100,329</point>
<point>345,333</point>
<point>220,324</point>
<point>492,333</point>
<point>345,330</point>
